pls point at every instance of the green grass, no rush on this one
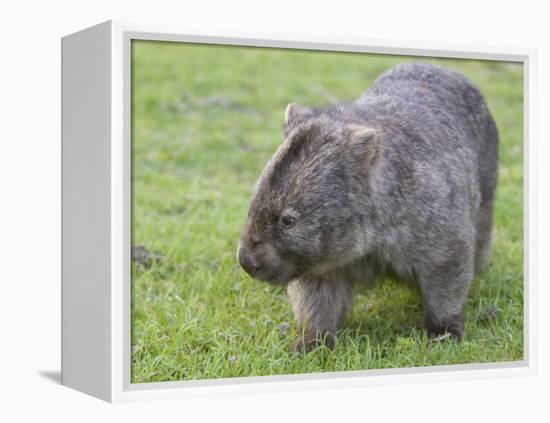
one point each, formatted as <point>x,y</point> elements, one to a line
<point>205,121</point>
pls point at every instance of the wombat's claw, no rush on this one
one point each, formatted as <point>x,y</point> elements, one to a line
<point>300,346</point>
<point>442,337</point>
<point>304,345</point>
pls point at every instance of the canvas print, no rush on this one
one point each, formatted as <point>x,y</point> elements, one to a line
<point>300,211</point>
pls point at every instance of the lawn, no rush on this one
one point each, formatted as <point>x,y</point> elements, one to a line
<point>205,121</point>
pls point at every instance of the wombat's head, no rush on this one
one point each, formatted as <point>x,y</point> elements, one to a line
<point>305,215</point>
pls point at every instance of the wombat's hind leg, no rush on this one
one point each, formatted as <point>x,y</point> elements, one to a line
<point>444,293</point>
<point>320,306</point>
<point>438,327</point>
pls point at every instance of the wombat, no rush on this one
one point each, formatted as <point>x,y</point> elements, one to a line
<point>401,179</point>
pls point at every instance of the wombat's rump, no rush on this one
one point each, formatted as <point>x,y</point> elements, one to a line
<point>403,178</point>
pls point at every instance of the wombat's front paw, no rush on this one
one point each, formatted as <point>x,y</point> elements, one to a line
<point>305,344</point>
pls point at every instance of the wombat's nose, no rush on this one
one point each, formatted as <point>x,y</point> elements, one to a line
<point>247,263</point>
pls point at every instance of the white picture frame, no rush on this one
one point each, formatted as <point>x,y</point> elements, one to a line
<point>96,213</point>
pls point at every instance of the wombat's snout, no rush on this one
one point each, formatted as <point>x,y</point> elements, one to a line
<point>247,262</point>
<point>259,258</point>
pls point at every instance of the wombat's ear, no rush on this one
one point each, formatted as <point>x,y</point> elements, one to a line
<point>363,142</point>
<point>293,114</point>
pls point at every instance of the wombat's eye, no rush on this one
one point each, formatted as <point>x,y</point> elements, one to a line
<point>288,220</point>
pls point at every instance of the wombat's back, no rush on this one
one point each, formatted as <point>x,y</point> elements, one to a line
<point>441,103</point>
<point>446,123</point>
<point>441,100</point>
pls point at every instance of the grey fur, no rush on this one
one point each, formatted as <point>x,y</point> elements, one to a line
<point>403,178</point>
